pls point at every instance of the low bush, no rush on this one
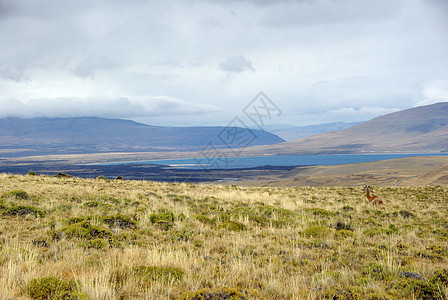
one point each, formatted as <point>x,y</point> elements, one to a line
<point>317,231</point>
<point>84,230</point>
<point>17,194</point>
<point>53,288</point>
<point>232,226</point>
<point>21,210</point>
<point>222,293</point>
<point>163,215</point>
<point>120,221</point>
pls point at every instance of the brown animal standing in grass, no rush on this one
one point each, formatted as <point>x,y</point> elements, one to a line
<point>374,200</point>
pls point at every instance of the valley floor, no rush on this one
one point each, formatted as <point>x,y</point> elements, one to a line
<point>115,239</point>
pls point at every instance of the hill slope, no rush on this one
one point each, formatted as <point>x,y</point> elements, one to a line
<point>89,135</point>
<point>419,129</point>
<point>301,132</point>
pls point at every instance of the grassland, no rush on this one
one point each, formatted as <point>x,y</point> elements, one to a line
<point>409,171</point>
<point>71,238</point>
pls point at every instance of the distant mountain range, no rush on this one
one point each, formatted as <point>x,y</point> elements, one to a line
<point>20,137</point>
<point>290,133</point>
<point>420,129</point>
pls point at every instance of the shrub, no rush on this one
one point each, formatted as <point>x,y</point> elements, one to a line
<point>85,230</point>
<point>63,175</point>
<point>22,210</point>
<point>78,219</point>
<point>153,273</point>
<point>101,177</point>
<point>375,271</point>
<point>163,215</point>
<point>320,212</point>
<point>221,293</point>
<point>343,234</point>
<point>418,289</point>
<point>440,277</point>
<point>31,173</point>
<point>232,226</point>
<point>53,288</point>
<point>164,225</point>
<point>317,231</point>
<point>204,219</point>
<point>17,194</point>
<point>339,225</point>
<point>95,244</point>
<point>120,221</point>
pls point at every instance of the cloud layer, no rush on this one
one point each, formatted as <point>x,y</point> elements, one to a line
<point>319,61</point>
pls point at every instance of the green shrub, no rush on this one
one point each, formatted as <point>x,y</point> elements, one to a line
<point>204,219</point>
<point>164,225</point>
<point>343,234</point>
<point>120,221</point>
<point>85,230</point>
<point>21,210</point>
<point>101,177</point>
<point>320,212</point>
<point>17,194</point>
<point>375,271</point>
<point>416,289</point>
<point>99,244</point>
<point>53,288</point>
<point>78,219</point>
<point>221,293</point>
<point>163,215</point>
<point>317,231</point>
<point>232,226</point>
<point>440,277</point>
<point>31,173</point>
<point>339,225</point>
<point>163,274</point>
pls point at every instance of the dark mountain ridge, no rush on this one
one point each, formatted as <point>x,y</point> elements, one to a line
<point>89,135</point>
<point>419,129</point>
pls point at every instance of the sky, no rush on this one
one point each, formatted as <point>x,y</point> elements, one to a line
<point>184,63</point>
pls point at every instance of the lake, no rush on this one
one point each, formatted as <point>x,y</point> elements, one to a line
<point>253,162</point>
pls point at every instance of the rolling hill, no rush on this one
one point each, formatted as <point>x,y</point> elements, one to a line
<point>300,132</point>
<point>19,137</point>
<point>419,129</point>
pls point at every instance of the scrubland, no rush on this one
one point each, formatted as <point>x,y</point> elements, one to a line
<point>72,238</point>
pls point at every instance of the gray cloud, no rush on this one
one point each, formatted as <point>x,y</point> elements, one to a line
<point>121,107</point>
<point>310,56</point>
<point>236,64</point>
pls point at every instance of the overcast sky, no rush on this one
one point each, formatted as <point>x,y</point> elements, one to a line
<point>201,62</point>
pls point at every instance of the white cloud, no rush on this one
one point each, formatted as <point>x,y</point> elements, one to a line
<point>236,64</point>
<point>434,92</point>
<point>121,107</point>
<point>91,54</point>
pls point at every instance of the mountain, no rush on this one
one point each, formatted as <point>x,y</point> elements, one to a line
<point>299,132</point>
<point>90,135</point>
<point>419,129</point>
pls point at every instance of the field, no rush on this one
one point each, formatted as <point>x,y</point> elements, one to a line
<point>72,238</point>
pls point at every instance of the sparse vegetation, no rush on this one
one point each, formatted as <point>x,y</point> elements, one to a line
<point>114,239</point>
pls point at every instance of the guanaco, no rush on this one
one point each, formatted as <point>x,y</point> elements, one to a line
<point>372,199</point>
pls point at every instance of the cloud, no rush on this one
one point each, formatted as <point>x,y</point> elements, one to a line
<point>236,64</point>
<point>121,107</point>
<point>330,12</point>
<point>309,56</point>
<point>434,92</point>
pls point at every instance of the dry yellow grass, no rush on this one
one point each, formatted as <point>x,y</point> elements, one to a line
<point>265,243</point>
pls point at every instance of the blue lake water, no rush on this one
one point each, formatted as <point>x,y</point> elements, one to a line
<point>252,162</point>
